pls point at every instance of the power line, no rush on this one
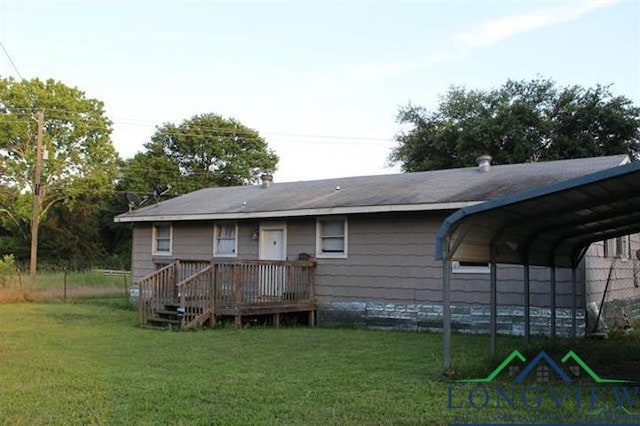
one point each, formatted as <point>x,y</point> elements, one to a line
<point>246,136</point>
<point>13,64</point>
<point>250,133</point>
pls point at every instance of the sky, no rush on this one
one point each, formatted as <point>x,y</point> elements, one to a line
<point>322,81</point>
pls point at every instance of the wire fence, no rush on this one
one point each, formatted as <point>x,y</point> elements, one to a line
<point>613,296</point>
<point>63,285</point>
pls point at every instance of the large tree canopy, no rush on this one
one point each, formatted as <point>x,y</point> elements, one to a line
<point>80,157</point>
<point>520,121</point>
<point>80,165</point>
<point>205,150</point>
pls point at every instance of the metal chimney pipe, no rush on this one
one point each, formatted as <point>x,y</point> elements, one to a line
<point>484,163</point>
<point>267,180</point>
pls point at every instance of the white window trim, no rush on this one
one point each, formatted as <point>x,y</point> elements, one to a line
<point>343,255</point>
<point>610,248</point>
<point>456,268</point>
<point>154,243</point>
<point>271,226</point>
<point>215,240</point>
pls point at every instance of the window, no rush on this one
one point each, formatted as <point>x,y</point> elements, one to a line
<point>225,240</point>
<point>331,237</point>
<point>162,239</point>
<point>617,247</point>
<point>470,268</point>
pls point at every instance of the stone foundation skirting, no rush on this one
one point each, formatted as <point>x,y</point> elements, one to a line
<point>428,317</point>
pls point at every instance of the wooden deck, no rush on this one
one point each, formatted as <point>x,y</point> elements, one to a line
<point>192,293</point>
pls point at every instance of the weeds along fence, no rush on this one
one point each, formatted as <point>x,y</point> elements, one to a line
<point>613,296</point>
<point>64,284</point>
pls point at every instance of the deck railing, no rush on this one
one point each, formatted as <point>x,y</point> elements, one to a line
<point>199,286</point>
<point>263,282</point>
<point>196,297</point>
<point>155,290</point>
<point>159,288</point>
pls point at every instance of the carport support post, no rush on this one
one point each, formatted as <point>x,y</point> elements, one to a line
<point>574,296</point>
<point>493,318</point>
<point>446,310</point>
<point>553,301</point>
<point>527,317</point>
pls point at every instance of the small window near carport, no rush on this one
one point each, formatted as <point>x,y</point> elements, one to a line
<point>617,247</point>
<point>470,268</point>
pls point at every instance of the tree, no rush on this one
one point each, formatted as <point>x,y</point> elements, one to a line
<point>81,160</point>
<point>205,150</point>
<point>520,121</point>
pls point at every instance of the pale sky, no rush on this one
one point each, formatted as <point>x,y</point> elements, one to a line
<point>322,81</point>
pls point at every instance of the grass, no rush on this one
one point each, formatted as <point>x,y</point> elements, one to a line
<point>87,362</point>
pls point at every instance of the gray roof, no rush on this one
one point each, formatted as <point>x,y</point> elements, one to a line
<point>546,226</point>
<point>433,190</point>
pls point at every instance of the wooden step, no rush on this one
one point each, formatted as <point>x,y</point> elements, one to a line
<point>166,313</point>
<point>173,307</point>
<point>163,321</point>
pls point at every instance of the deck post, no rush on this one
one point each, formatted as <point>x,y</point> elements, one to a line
<point>236,278</point>
<point>446,309</point>
<point>176,280</point>
<point>276,319</point>
<point>213,293</point>
<point>312,293</point>
<point>493,318</point>
<point>552,290</point>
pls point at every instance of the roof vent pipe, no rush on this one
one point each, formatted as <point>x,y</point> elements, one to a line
<point>267,180</point>
<point>484,163</point>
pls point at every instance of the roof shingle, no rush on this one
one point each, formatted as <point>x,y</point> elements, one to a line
<point>440,188</point>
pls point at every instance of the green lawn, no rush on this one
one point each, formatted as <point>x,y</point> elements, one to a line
<point>88,363</point>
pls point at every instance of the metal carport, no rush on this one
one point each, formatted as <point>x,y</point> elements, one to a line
<point>549,226</point>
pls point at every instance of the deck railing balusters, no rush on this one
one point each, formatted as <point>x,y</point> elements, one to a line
<point>204,288</point>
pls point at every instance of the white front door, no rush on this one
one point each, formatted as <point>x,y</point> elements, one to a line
<point>273,246</point>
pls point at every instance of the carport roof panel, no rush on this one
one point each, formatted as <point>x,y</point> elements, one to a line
<point>561,218</point>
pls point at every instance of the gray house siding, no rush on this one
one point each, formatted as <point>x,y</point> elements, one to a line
<point>389,279</point>
<point>141,258</point>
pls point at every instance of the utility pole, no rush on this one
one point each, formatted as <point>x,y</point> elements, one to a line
<point>35,217</point>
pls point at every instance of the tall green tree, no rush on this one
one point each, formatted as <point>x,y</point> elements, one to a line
<point>205,150</point>
<point>520,121</point>
<point>80,162</point>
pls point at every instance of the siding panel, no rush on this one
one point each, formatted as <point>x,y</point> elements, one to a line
<point>141,262</point>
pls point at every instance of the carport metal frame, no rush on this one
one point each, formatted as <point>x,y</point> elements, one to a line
<point>549,226</point>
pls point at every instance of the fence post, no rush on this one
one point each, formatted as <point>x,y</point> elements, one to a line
<point>126,286</point>
<point>65,270</point>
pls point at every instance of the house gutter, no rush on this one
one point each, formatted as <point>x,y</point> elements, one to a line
<point>127,217</point>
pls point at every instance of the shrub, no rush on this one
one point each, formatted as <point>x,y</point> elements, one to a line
<point>7,269</point>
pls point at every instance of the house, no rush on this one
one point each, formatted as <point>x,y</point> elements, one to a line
<point>356,250</point>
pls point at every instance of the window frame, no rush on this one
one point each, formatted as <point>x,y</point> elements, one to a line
<point>216,227</point>
<point>319,237</point>
<point>457,268</point>
<point>611,247</point>
<point>154,239</point>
